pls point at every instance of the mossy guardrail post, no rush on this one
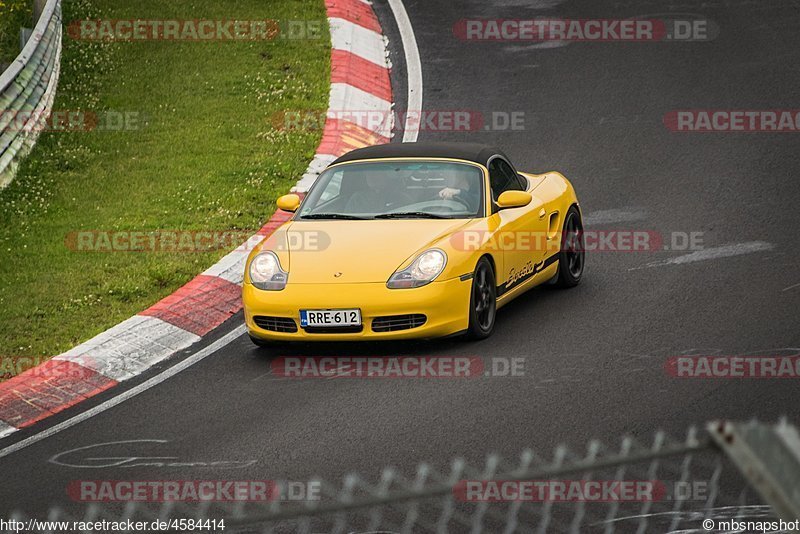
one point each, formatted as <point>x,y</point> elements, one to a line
<point>27,90</point>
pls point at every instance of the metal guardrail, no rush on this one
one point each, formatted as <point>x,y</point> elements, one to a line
<point>724,474</point>
<point>27,90</point>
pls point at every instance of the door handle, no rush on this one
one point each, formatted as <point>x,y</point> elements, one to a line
<point>542,213</point>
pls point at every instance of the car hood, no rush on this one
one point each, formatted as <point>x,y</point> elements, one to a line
<point>362,251</point>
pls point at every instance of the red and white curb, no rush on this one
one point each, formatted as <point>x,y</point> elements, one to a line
<point>359,82</point>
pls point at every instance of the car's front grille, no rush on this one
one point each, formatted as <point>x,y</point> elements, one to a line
<point>333,329</point>
<point>275,324</point>
<point>391,323</point>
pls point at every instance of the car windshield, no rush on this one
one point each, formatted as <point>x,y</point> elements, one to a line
<point>396,190</point>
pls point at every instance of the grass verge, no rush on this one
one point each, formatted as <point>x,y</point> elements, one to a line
<point>199,152</point>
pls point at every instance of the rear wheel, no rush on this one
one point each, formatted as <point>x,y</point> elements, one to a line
<point>571,258</point>
<point>483,301</point>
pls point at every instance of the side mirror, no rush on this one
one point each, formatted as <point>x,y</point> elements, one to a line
<point>513,199</point>
<point>289,202</point>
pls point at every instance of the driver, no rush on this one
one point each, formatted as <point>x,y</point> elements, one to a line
<point>459,186</point>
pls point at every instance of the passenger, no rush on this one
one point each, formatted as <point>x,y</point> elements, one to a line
<point>381,194</point>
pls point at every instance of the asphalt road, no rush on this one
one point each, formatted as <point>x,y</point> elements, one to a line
<point>593,355</point>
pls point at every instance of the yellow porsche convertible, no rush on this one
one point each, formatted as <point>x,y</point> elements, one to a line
<point>411,240</point>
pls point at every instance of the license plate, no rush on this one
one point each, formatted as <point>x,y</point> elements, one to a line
<point>330,318</point>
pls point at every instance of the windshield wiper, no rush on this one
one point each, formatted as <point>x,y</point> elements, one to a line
<point>411,215</point>
<point>333,216</point>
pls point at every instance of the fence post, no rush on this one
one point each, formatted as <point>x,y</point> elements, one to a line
<point>768,456</point>
<point>28,86</point>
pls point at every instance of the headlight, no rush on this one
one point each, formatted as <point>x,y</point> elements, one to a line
<point>266,272</point>
<point>422,270</point>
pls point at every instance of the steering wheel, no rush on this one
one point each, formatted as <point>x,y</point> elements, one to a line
<point>461,200</point>
<point>449,204</point>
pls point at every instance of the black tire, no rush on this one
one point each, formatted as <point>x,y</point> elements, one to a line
<point>482,301</point>
<point>259,342</point>
<point>572,256</point>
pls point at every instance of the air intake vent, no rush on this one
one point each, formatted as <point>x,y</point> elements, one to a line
<point>391,323</point>
<point>275,324</point>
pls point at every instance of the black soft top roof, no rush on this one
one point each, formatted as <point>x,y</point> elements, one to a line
<point>467,151</point>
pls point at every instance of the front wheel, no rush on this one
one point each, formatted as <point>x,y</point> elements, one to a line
<point>572,255</point>
<point>483,301</point>
<point>259,342</point>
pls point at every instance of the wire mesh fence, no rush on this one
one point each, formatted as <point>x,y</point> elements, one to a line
<point>722,473</point>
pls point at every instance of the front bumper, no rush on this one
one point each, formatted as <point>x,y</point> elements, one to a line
<point>445,304</point>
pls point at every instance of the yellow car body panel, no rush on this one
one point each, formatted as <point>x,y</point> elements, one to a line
<point>351,267</point>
